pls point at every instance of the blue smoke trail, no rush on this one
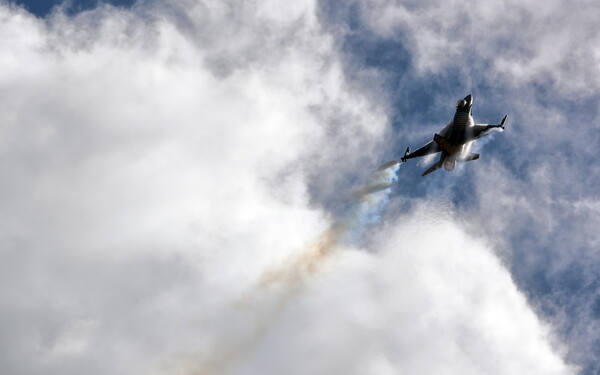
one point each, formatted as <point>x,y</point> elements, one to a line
<point>367,205</point>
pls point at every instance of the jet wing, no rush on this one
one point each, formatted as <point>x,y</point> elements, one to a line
<point>429,148</point>
<point>446,130</point>
<point>481,130</point>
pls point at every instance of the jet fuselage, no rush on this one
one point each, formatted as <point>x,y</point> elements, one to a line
<point>455,133</point>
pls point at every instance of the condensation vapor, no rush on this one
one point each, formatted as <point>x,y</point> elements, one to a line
<point>278,285</point>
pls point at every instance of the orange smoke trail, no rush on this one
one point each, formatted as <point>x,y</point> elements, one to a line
<point>275,288</point>
<point>306,262</point>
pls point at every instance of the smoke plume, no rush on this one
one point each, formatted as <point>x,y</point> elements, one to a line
<point>280,283</point>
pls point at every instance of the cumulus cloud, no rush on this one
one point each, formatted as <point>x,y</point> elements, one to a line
<point>159,161</point>
<point>421,304</point>
<point>516,40</point>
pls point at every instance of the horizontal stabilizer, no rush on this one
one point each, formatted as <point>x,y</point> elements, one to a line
<point>470,156</point>
<point>433,168</point>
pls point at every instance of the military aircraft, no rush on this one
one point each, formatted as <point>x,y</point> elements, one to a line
<point>455,139</point>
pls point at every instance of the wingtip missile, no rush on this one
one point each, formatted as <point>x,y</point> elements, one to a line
<point>403,159</point>
<point>503,121</point>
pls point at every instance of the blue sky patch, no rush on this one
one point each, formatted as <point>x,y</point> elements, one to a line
<point>42,8</point>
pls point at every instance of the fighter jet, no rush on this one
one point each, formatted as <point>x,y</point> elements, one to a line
<point>455,139</point>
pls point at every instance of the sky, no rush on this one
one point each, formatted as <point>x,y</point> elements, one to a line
<point>188,188</point>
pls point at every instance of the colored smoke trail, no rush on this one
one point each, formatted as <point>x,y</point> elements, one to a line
<point>278,285</point>
<point>363,210</point>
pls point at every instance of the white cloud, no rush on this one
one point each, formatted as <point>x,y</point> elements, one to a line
<point>517,41</point>
<point>430,300</point>
<point>157,162</point>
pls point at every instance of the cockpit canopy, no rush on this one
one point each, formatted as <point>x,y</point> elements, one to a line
<point>461,103</point>
<point>465,104</point>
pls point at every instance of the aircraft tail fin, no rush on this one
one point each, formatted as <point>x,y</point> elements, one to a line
<point>433,168</point>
